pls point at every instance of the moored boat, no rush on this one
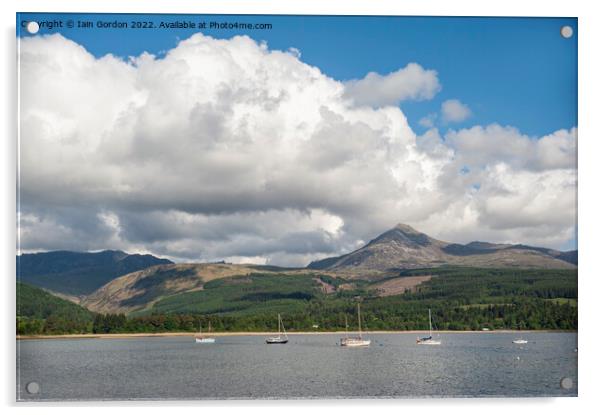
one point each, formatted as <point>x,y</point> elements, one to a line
<point>204,339</point>
<point>282,337</point>
<point>355,341</point>
<point>429,340</point>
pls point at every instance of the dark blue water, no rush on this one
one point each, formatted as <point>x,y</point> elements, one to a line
<point>309,366</point>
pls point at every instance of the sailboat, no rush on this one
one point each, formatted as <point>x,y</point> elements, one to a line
<point>520,340</point>
<point>429,340</point>
<point>280,339</point>
<point>203,339</point>
<point>355,341</point>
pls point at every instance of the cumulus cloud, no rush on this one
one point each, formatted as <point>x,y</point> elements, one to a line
<point>494,144</point>
<point>412,82</point>
<point>428,121</point>
<point>225,149</point>
<point>453,110</point>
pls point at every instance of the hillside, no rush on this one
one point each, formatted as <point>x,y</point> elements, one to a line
<point>406,248</point>
<point>253,294</point>
<point>190,287</point>
<point>79,273</point>
<point>402,271</point>
<point>140,290</point>
<point>39,311</point>
<point>460,298</point>
<point>246,298</point>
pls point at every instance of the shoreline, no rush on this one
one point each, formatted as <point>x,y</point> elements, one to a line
<point>266,333</point>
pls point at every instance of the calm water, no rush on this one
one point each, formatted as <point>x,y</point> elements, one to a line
<point>310,366</point>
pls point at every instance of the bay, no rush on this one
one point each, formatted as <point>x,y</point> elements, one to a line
<point>309,366</point>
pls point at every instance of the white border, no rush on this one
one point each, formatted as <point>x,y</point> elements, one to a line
<point>590,175</point>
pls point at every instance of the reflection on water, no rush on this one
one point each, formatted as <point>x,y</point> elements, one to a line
<point>309,366</point>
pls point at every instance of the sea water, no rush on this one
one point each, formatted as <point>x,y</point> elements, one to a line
<point>309,366</point>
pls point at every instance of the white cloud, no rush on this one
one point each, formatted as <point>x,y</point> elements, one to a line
<point>226,149</point>
<point>295,52</point>
<point>453,110</point>
<point>412,82</point>
<point>491,144</point>
<point>428,121</point>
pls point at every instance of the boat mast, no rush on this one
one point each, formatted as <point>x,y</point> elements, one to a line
<point>359,320</point>
<point>430,325</point>
<point>346,328</point>
<point>283,329</point>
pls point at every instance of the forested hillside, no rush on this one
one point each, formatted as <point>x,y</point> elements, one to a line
<point>39,312</point>
<point>460,299</point>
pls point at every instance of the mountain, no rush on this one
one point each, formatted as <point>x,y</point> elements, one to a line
<point>79,273</point>
<point>403,247</point>
<point>115,282</point>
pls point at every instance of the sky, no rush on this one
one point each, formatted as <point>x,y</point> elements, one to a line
<point>298,142</point>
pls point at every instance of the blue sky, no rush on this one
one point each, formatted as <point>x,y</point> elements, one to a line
<point>511,71</point>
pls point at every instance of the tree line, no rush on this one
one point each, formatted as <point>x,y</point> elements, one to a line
<point>521,315</point>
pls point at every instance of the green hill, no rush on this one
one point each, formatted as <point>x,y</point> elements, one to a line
<point>461,299</point>
<point>245,295</point>
<point>41,312</point>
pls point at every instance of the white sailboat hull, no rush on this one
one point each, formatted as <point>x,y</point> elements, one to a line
<point>520,341</point>
<point>350,342</point>
<point>431,342</point>
<point>276,340</point>
<point>204,340</point>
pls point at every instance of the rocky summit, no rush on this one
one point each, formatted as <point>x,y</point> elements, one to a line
<point>403,247</point>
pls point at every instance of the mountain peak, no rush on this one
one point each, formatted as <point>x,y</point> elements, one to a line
<point>403,247</point>
<point>403,234</point>
<point>405,228</point>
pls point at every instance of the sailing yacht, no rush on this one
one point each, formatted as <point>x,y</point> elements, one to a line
<point>520,340</point>
<point>355,341</point>
<point>280,339</point>
<point>429,340</point>
<point>203,339</point>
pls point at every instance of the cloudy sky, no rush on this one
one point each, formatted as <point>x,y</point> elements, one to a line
<point>236,146</point>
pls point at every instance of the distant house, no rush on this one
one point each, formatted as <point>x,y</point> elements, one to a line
<point>315,326</point>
